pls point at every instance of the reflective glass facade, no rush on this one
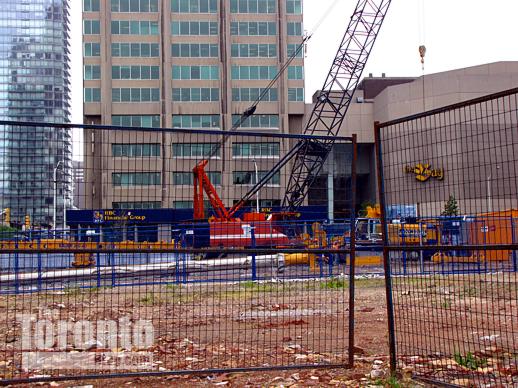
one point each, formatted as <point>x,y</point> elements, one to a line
<point>34,86</point>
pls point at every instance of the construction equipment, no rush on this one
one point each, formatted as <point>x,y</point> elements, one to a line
<point>310,153</point>
<point>6,216</point>
<point>331,106</point>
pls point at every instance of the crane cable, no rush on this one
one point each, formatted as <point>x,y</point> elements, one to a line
<point>422,47</point>
<point>252,108</point>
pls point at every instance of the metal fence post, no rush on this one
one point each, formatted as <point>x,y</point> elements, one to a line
<point>254,262</point>
<point>184,268</point>
<point>352,255</point>
<point>513,237</point>
<point>386,256</point>
<point>40,280</point>
<point>98,264</point>
<point>16,269</point>
<point>112,261</point>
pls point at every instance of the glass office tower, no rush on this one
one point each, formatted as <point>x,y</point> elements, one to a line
<point>34,86</point>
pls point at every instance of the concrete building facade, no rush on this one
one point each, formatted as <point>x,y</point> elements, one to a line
<point>386,98</point>
<point>186,64</point>
<point>34,86</point>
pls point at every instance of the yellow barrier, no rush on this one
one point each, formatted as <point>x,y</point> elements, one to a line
<point>361,261</point>
<point>52,244</point>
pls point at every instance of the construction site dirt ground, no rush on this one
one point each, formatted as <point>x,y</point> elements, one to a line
<point>255,324</point>
<point>189,314</point>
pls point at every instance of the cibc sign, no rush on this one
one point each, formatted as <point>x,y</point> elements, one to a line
<point>424,171</point>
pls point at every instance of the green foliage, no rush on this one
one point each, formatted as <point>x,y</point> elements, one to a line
<point>148,299</point>
<point>451,208</point>
<point>391,382</point>
<point>7,232</point>
<point>259,287</point>
<point>333,284</point>
<point>470,361</point>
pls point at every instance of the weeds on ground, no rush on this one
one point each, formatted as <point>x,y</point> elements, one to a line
<point>446,303</point>
<point>470,361</point>
<point>391,382</point>
<point>72,291</point>
<point>148,299</point>
<point>334,284</point>
<point>259,287</point>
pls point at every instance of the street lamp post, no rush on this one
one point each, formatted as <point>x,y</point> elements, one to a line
<point>55,176</point>
<point>256,181</point>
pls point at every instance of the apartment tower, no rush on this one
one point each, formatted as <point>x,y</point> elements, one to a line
<point>34,86</point>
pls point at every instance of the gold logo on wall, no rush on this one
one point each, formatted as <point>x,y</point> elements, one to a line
<point>423,172</point>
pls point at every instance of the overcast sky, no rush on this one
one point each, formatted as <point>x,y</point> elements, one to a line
<point>457,33</point>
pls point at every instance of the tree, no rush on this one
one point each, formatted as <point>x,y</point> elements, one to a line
<point>451,208</point>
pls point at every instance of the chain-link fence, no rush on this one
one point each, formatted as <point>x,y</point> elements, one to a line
<point>147,251</point>
<point>451,264</point>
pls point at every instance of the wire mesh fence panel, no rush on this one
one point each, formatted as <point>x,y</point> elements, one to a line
<point>155,251</point>
<point>448,183</point>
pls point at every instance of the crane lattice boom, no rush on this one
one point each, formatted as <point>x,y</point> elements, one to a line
<point>309,155</point>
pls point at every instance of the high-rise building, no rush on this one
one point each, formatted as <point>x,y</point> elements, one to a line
<point>188,64</point>
<point>34,86</point>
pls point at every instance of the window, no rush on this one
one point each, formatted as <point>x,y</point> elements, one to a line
<point>294,7</point>
<point>135,72</point>
<point>91,5</point>
<point>253,28</point>
<point>194,28</point>
<point>136,179</point>
<point>292,49</point>
<point>252,94</point>
<point>195,150</point>
<point>256,149</point>
<point>196,94</point>
<point>183,204</point>
<point>252,6</point>
<point>134,27</point>
<point>148,121</point>
<point>296,94</point>
<point>135,94</point>
<point>136,150</point>
<point>137,205</point>
<point>295,72</point>
<point>194,6</point>
<point>92,72</point>
<point>91,27</point>
<point>295,29</point>
<point>254,50</point>
<point>139,50</point>
<point>248,177</point>
<point>181,178</point>
<point>258,121</point>
<point>92,95</point>
<point>92,49</point>
<point>195,50</point>
<point>251,203</point>
<point>134,5</point>
<point>196,72</point>
<point>196,121</point>
<point>253,72</point>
